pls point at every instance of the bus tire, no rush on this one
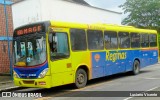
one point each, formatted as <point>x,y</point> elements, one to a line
<point>81,78</point>
<point>136,67</point>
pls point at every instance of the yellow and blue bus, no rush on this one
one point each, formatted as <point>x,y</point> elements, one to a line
<point>53,53</point>
<point>159,42</point>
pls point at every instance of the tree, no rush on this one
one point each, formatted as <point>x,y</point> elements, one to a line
<point>142,13</point>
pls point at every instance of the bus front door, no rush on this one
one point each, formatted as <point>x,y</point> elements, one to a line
<point>60,59</point>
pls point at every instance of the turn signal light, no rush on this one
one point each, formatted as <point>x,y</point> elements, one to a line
<point>42,83</point>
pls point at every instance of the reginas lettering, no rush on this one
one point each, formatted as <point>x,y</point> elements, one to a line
<point>29,30</point>
<point>115,56</point>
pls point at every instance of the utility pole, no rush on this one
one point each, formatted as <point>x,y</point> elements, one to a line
<point>7,34</point>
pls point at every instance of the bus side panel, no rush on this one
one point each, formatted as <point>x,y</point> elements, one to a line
<point>145,58</point>
<point>149,57</point>
<point>126,63</point>
<point>113,63</point>
<point>81,59</point>
<point>61,69</point>
<point>153,56</point>
<point>131,56</point>
<point>110,68</point>
<point>129,60</point>
<point>98,64</point>
<point>108,63</point>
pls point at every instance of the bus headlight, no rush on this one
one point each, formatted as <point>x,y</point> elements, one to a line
<point>43,73</point>
<point>15,74</point>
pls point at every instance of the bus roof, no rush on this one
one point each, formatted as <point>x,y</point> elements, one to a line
<point>99,26</point>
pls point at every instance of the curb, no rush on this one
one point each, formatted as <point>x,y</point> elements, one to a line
<point>6,82</point>
<point>10,88</point>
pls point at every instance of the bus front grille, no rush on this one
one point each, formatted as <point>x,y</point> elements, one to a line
<point>28,82</point>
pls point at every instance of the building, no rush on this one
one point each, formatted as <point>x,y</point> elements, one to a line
<point>61,10</point>
<point>4,56</point>
<point>79,2</point>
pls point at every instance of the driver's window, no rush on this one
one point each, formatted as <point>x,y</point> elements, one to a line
<point>58,45</point>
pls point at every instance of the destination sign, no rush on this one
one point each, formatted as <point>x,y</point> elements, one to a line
<point>29,29</point>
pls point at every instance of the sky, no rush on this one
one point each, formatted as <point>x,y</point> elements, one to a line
<point>107,4</point>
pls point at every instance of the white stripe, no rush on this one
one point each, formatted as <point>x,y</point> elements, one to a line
<point>152,89</point>
<point>14,87</point>
<point>128,98</point>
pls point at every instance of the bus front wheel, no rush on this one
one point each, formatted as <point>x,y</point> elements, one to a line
<point>136,67</point>
<point>81,78</point>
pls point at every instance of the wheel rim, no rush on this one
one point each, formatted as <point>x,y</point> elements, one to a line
<point>80,78</point>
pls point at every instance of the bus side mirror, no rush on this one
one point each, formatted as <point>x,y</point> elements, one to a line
<point>51,34</point>
<point>50,37</point>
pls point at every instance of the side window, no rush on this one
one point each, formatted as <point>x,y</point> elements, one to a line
<point>95,40</point>
<point>144,40</point>
<point>153,40</point>
<point>135,40</point>
<point>78,39</point>
<point>124,40</point>
<point>110,40</point>
<point>58,45</point>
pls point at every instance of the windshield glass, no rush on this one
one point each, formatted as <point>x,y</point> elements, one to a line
<point>29,50</point>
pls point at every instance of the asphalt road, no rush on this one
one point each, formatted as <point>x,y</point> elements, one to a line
<point>120,85</point>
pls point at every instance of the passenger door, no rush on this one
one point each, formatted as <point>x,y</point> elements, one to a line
<point>60,59</point>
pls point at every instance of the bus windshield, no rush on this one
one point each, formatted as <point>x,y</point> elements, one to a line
<point>29,50</point>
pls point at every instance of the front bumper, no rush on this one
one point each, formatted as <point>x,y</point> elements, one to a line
<point>39,83</point>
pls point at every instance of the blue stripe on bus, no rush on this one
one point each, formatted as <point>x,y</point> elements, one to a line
<point>30,72</point>
<point>112,62</point>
